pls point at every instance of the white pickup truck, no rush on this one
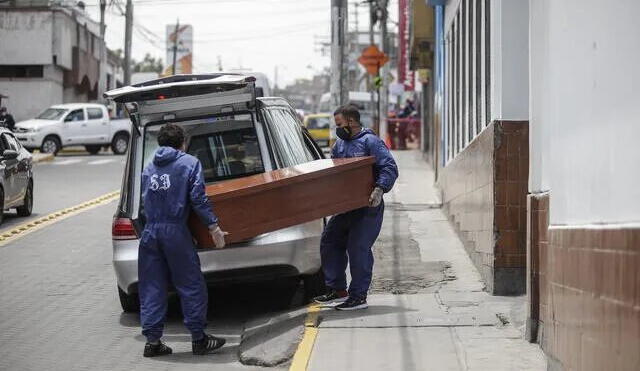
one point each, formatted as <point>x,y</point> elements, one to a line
<point>76,124</point>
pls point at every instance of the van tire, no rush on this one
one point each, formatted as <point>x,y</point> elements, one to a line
<point>313,285</point>
<point>129,303</point>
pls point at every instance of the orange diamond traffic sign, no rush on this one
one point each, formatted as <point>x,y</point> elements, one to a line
<point>372,59</point>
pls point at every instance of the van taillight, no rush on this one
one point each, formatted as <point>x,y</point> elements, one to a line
<point>122,229</point>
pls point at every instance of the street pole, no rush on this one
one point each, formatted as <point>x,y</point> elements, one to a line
<point>102,78</point>
<point>374,108</point>
<point>128,31</point>
<point>338,87</point>
<point>175,46</point>
<point>384,91</point>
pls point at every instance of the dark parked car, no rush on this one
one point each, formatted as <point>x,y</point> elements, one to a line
<point>16,183</point>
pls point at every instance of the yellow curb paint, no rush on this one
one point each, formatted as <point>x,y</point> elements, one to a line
<point>24,229</point>
<point>305,348</point>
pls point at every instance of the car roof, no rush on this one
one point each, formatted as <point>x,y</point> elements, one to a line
<point>77,105</point>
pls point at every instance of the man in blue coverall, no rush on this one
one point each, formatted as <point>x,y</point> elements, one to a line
<point>172,185</point>
<point>349,237</point>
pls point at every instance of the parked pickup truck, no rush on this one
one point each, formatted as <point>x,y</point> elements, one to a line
<point>76,124</point>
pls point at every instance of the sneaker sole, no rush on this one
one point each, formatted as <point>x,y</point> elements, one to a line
<point>331,303</point>
<point>151,355</point>
<point>361,306</point>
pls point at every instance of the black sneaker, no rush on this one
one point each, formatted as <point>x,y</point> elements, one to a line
<point>332,297</point>
<point>353,304</point>
<point>154,350</point>
<point>207,344</point>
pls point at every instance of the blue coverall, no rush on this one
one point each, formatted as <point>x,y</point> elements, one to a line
<point>349,237</point>
<point>172,185</point>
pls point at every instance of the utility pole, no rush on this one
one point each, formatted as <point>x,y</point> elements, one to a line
<point>339,90</point>
<point>374,108</point>
<point>175,46</point>
<point>384,90</point>
<point>102,78</point>
<point>220,63</point>
<point>128,31</point>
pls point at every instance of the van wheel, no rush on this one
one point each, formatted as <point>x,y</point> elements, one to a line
<point>50,144</point>
<point>129,303</point>
<point>93,149</point>
<point>120,144</point>
<point>314,286</point>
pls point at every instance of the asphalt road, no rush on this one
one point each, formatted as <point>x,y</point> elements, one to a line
<point>68,180</point>
<point>59,308</point>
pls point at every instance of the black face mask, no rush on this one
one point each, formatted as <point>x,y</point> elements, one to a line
<point>344,133</point>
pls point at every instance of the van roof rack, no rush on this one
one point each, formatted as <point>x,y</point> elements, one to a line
<point>179,85</point>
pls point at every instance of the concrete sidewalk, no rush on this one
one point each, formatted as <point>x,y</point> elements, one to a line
<point>428,310</point>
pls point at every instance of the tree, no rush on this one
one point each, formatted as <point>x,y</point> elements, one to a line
<point>148,64</point>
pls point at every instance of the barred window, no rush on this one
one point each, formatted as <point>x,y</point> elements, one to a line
<point>467,75</point>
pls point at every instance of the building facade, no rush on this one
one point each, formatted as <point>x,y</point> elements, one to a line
<point>479,131</point>
<point>52,54</point>
<point>584,203</point>
<point>535,123</point>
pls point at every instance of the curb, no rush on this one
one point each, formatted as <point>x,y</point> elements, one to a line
<point>271,341</point>
<point>302,356</point>
<point>37,158</point>
<point>28,227</point>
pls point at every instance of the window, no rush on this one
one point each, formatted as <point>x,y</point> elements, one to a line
<point>94,113</point>
<point>286,137</point>
<point>228,154</point>
<point>226,148</point>
<point>11,71</point>
<point>318,123</point>
<point>467,76</point>
<point>11,142</point>
<point>52,114</point>
<point>76,115</point>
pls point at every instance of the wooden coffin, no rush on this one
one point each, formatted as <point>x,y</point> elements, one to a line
<point>248,207</point>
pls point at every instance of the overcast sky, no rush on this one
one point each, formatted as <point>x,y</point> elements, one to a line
<point>253,34</point>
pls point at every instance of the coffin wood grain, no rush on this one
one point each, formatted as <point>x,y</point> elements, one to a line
<point>250,206</point>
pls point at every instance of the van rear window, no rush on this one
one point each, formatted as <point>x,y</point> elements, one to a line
<point>226,148</point>
<point>229,154</point>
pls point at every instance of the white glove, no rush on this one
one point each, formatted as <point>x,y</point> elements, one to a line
<point>376,197</point>
<point>217,235</point>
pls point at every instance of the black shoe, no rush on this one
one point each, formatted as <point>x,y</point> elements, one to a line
<point>207,344</point>
<point>332,297</point>
<point>154,350</point>
<point>353,304</point>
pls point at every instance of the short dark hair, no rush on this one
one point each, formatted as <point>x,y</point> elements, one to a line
<point>349,111</point>
<point>171,135</point>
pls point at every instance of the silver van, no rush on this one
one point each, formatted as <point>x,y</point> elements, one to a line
<point>234,134</point>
